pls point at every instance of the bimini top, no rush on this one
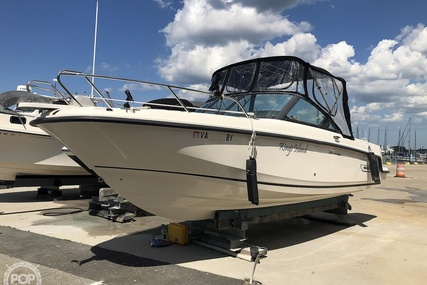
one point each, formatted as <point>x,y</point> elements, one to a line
<point>288,75</point>
<point>11,98</point>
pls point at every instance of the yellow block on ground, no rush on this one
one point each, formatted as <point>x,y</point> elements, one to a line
<point>178,233</point>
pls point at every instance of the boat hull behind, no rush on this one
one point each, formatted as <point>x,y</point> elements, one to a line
<point>26,150</point>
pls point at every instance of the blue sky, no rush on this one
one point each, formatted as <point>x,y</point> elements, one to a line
<point>379,47</point>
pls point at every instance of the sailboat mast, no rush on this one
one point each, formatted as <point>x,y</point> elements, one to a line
<point>399,142</point>
<point>409,140</point>
<point>385,136</point>
<point>94,46</point>
<point>378,138</point>
<point>415,149</point>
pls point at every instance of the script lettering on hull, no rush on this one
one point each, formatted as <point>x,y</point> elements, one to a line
<point>289,148</point>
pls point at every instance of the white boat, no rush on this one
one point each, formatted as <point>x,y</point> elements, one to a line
<point>28,152</point>
<point>276,131</point>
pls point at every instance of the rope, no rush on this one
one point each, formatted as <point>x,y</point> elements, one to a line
<point>252,145</point>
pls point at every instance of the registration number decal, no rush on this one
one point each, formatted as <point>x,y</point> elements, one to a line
<point>200,135</point>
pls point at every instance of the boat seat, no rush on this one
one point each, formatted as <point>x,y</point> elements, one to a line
<point>169,104</point>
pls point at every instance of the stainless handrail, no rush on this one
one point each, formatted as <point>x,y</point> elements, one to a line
<point>107,101</point>
<point>54,90</point>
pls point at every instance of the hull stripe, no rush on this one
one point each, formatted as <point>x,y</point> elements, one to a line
<point>233,179</point>
<point>186,126</point>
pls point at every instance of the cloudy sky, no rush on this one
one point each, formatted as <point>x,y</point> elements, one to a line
<point>379,47</point>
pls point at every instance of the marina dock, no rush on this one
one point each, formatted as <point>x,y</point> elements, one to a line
<point>387,244</point>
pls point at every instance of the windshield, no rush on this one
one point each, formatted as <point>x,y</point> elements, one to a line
<point>281,106</point>
<point>262,105</point>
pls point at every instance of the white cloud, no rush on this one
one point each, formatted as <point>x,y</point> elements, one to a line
<point>336,58</point>
<point>380,61</point>
<point>196,96</point>
<point>139,87</point>
<point>106,66</point>
<point>277,5</point>
<point>392,59</point>
<point>302,45</point>
<point>362,113</point>
<point>266,5</point>
<point>393,117</point>
<point>393,78</point>
<point>200,23</point>
<point>197,64</point>
<point>415,38</point>
<point>164,3</point>
<point>206,35</point>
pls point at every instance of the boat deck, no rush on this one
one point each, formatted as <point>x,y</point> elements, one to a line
<point>388,244</point>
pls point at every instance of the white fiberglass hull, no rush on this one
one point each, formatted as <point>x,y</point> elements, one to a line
<point>186,166</point>
<point>30,151</point>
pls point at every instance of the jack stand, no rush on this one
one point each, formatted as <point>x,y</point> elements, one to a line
<point>231,239</point>
<point>49,193</point>
<point>112,207</point>
<point>88,191</point>
<point>333,218</point>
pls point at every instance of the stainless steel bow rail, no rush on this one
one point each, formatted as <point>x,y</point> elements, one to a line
<point>174,91</point>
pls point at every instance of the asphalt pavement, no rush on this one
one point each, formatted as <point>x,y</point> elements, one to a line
<point>66,245</point>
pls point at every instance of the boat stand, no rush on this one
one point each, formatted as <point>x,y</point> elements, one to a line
<point>227,231</point>
<point>112,206</point>
<point>49,193</point>
<point>55,193</point>
<point>55,180</point>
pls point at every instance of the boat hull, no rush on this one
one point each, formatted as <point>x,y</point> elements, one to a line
<point>30,151</point>
<point>186,166</point>
<point>181,197</point>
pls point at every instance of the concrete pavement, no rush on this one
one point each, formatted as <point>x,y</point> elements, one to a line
<point>388,244</point>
